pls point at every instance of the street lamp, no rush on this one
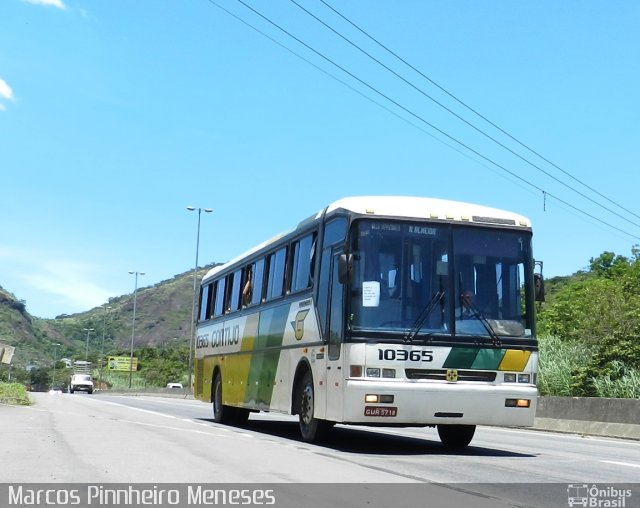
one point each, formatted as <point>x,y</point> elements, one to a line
<point>104,326</point>
<point>55,360</point>
<point>133,325</point>
<point>86,353</point>
<point>195,289</point>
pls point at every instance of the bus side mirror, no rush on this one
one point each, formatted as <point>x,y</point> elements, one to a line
<point>538,284</point>
<point>345,265</point>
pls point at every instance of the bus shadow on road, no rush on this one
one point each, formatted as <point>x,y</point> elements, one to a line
<point>371,442</point>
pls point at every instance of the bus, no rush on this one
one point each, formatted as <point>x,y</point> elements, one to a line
<point>378,311</point>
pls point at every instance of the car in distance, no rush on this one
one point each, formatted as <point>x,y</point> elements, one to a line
<point>81,383</point>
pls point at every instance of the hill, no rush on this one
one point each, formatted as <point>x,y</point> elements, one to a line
<point>163,314</point>
<point>18,328</point>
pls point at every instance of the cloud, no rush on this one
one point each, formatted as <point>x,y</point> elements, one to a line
<point>48,3</point>
<point>68,280</point>
<point>5,91</point>
<point>60,283</point>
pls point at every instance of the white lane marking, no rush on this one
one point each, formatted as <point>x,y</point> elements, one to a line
<point>628,464</point>
<point>210,431</point>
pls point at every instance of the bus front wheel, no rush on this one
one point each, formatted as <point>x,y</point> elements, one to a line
<point>311,428</point>
<point>456,436</point>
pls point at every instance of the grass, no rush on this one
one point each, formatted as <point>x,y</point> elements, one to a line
<point>14,393</point>
<point>624,385</point>
<point>120,380</point>
<point>557,360</point>
<point>560,358</point>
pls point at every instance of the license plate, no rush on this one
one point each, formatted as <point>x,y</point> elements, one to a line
<point>380,411</point>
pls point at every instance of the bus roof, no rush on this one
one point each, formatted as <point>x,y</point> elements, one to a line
<point>401,207</point>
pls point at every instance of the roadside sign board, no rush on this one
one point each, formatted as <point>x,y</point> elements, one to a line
<point>122,363</point>
<point>6,353</point>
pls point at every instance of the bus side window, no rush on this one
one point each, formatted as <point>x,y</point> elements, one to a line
<point>205,302</point>
<point>232,297</point>
<point>247,285</point>
<point>257,282</point>
<point>218,309</point>
<point>275,277</point>
<point>303,263</point>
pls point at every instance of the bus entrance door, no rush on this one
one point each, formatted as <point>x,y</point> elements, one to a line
<point>335,371</point>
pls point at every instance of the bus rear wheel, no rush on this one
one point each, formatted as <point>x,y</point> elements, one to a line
<point>312,429</point>
<point>456,436</point>
<point>221,413</point>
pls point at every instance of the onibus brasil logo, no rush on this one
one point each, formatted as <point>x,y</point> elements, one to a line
<point>594,496</point>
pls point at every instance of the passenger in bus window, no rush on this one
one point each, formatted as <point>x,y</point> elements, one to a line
<point>246,289</point>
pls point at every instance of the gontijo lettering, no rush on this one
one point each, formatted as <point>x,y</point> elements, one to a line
<point>227,336</point>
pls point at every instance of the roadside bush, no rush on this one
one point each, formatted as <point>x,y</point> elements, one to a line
<point>598,310</point>
<point>14,393</point>
<point>558,362</point>
<point>622,383</point>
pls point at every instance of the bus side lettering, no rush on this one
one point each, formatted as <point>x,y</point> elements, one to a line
<point>227,336</point>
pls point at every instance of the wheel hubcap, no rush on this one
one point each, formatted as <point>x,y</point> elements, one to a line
<point>307,405</point>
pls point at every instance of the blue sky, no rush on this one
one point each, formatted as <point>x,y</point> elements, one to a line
<point>114,116</point>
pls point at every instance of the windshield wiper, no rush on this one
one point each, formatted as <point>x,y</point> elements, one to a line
<point>495,340</point>
<point>422,317</point>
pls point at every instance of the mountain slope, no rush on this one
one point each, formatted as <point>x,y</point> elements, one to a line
<point>163,317</point>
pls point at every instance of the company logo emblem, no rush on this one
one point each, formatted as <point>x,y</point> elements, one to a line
<point>578,494</point>
<point>298,324</point>
<point>582,494</point>
<point>452,375</point>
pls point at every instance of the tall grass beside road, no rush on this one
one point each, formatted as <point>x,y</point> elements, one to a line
<point>14,393</point>
<point>560,360</point>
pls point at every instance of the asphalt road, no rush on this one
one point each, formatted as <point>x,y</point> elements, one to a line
<point>113,439</point>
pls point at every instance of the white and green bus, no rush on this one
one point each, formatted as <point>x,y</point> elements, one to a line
<point>381,311</point>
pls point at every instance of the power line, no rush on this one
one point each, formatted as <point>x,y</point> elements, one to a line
<point>363,95</point>
<point>421,119</point>
<point>461,102</point>
<point>342,82</point>
<point>449,110</point>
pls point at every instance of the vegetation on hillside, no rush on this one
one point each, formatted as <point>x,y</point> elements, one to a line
<point>163,316</point>
<point>590,330</point>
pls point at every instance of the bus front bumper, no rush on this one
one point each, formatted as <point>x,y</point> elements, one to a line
<point>433,403</point>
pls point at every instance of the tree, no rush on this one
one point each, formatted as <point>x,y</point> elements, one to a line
<point>601,310</point>
<point>40,378</point>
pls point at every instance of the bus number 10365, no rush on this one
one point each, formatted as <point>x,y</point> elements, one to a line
<point>403,355</point>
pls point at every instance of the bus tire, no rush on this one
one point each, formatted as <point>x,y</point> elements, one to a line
<point>312,429</point>
<point>456,436</point>
<point>221,413</point>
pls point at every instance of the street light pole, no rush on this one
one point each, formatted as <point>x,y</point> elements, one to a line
<point>104,326</point>
<point>133,325</point>
<point>55,360</point>
<point>195,290</point>
<point>86,353</point>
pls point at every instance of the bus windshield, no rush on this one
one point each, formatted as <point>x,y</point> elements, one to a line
<point>418,279</point>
